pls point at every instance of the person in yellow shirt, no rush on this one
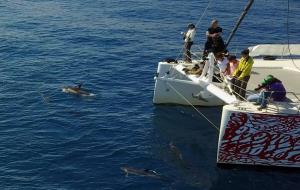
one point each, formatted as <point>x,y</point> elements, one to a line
<point>241,75</point>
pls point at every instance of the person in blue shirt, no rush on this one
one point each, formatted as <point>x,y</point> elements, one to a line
<point>272,88</point>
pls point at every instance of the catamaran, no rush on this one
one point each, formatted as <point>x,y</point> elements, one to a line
<point>269,136</point>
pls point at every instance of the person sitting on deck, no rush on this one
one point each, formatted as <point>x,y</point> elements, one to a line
<point>214,41</point>
<point>270,87</point>
<point>188,38</point>
<point>241,75</point>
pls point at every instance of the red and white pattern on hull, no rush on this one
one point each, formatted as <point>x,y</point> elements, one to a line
<point>261,139</point>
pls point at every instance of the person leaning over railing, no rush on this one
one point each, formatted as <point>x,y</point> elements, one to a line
<point>222,63</point>
<point>232,65</point>
<point>241,75</point>
<point>270,87</point>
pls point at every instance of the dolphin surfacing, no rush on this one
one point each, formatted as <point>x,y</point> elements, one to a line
<point>76,90</point>
<point>143,172</point>
<point>178,155</point>
<point>175,151</point>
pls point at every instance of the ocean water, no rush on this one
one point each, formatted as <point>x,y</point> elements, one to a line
<point>53,140</point>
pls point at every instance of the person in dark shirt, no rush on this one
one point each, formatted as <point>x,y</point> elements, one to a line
<point>214,41</point>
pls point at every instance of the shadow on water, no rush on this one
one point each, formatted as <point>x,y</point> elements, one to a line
<point>193,137</point>
<point>197,142</point>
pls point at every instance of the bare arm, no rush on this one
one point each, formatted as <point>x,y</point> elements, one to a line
<point>213,35</point>
<point>207,34</point>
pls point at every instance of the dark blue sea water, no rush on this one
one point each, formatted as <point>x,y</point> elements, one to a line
<point>53,140</point>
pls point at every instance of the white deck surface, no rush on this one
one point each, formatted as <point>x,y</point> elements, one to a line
<point>284,70</point>
<point>285,108</point>
<point>275,49</point>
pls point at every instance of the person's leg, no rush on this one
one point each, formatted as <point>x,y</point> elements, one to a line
<point>207,49</point>
<point>254,98</point>
<point>243,86</point>
<point>189,46</point>
<point>207,46</point>
<point>185,52</point>
<point>264,99</point>
<point>233,83</point>
<point>236,85</point>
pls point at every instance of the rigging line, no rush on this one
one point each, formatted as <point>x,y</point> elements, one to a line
<point>184,98</point>
<point>288,34</point>
<point>234,93</point>
<point>220,80</point>
<point>198,22</point>
<point>204,12</point>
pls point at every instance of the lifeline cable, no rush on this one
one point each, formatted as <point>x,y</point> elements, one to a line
<point>198,22</point>
<point>184,98</point>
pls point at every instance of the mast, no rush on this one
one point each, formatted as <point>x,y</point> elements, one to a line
<point>244,13</point>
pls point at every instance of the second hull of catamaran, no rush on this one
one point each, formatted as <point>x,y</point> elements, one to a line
<point>269,137</point>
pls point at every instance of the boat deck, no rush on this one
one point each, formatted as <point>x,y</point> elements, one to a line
<point>289,76</point>
<point>281,108</point>
<point>284,70</point>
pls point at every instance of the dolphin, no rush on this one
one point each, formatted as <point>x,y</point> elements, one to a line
<point>178,155</point>
<point>176,151</point>
<point>77,90</point>
<point>143,172</point>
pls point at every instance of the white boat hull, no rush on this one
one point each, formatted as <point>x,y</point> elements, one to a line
<point>250,137</point>
<point>175,91</point>
<point>173,86</point>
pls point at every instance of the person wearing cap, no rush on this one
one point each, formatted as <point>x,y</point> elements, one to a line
<point>214,42</point>
<point>270,87</point>
<point>241,75</point>
<point>188,38</point>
